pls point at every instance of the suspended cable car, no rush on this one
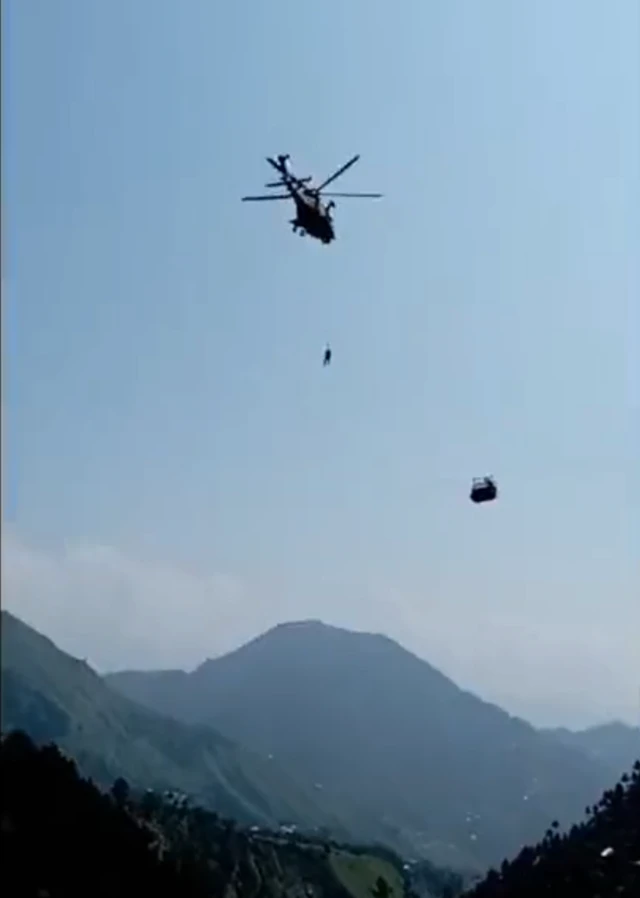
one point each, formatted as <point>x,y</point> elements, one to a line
<point>483,489</point>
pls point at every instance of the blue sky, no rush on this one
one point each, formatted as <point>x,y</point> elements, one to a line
<point>163,394</point>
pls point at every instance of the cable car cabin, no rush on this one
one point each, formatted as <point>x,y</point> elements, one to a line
<point>483,489</point>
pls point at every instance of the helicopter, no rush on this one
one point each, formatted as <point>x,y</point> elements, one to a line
<point>313,216</point>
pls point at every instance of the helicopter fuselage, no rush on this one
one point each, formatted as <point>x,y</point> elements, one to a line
<point>312,215</point>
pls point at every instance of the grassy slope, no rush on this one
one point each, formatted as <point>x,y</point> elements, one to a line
<point>289,868</point>
<point>359,873</point>
<point>111,736</point>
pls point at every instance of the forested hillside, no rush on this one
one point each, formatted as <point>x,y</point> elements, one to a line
<point>599,858</point>
<point>62,838</point>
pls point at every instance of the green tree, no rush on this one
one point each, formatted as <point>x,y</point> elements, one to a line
<point>381,889</point>
<point>120,792</point>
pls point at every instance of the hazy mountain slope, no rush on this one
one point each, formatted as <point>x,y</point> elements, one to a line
<point>391,740</point>
<point>52,696</point>
<point>615,744</point>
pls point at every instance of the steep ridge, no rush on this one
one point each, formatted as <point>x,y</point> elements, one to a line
<point>54,697</point>
<point>400,750</point>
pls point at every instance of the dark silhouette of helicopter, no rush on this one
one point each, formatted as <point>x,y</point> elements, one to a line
<point>483,489</point>
<point>326,359</point>
<point>313,217</point>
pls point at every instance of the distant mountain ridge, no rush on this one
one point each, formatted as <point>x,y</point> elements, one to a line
<point>54,697</point>
<point>406,755</point>
<point>615,744</point>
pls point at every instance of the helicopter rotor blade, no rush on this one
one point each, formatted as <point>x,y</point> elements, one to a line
<point>372,196</point>
<point>292,179</point>
<point>339,172</point>
<point>269,196</point>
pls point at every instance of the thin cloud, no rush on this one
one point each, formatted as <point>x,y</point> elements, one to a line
<point>98,603</point>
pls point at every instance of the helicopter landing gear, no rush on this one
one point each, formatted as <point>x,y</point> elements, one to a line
<point>296,228</point>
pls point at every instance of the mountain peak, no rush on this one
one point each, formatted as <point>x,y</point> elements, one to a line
<point>315,625</point>
<point>309,623</point>
<point>404,752</point>
<point>318,629</point>
<point>299,645</point>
